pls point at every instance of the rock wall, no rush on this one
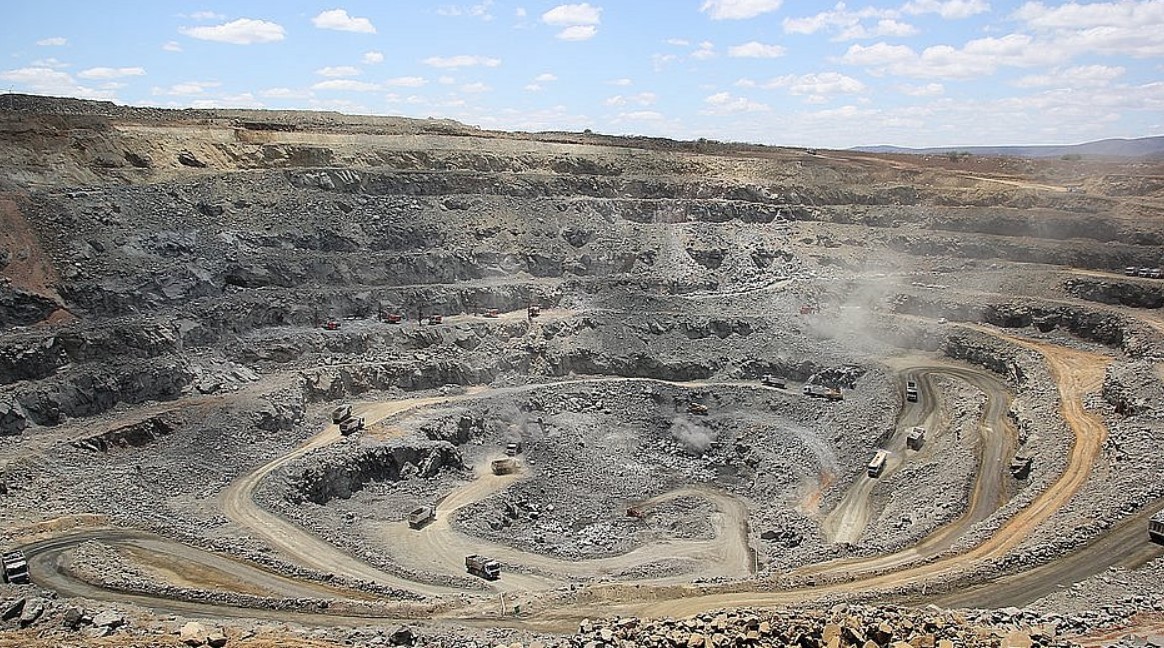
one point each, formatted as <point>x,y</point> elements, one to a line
<point>340,475</point>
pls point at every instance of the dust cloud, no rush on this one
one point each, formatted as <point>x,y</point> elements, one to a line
<point>696,439</point>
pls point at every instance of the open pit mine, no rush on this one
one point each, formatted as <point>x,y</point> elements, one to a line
<point>309,379</point>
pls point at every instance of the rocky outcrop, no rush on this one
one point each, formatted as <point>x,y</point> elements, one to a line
<point>634,365</point>
<point>12,419</point>
<point>19,307</point>
<point>1133,388</point>
<point>841,627</point>
<point>339,475</point>
<point>135,435</point>
<point>328,383</point>
<point>98,389</point>
<point>1123,293</point>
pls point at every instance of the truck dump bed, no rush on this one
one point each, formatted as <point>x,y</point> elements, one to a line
<point>1156,528</point>
<point>15,568</point>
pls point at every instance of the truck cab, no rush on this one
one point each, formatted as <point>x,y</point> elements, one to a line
<point>483,567</point>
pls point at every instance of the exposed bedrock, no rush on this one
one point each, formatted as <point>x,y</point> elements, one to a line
<point>339,475</point>
<point>12,418</point>
<point>20,307</point>
<point>331,383</point>
<point>633,365</point>
<point>1133,388</point>
<point>1123,293</point>
<point>99,389</point>
<point>40,353</point>
<point>133,435</point>
<point>1107,328</point>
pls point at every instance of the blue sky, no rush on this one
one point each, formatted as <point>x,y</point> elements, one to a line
<point>906,72</point>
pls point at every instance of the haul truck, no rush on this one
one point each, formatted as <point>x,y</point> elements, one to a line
<point>483,567</point>
<point>15,568</point>
<point>1156,528</point>
<point>877,464</point>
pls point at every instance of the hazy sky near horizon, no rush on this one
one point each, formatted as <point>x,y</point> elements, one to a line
<point>904,72</point>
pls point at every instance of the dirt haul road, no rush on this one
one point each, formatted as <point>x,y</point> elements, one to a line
<point>309,550</point>
<point>302,547</point>
<point>997,440</point>
<point>846,523</point>
<point>1076,374</point>
<point>439,548</point>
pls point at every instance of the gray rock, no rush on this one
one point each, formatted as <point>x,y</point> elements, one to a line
<point>72,618</point>
<point>108,619</point>
<point>13,610</point>
<point>193,634</point>
<point>32,611</point>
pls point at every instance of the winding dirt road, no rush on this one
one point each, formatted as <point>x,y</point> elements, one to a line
<point>996,446</point>
<point>1075,373</point>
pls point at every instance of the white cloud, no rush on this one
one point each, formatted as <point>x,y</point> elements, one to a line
<point>1089,76</point>
<point>948,9</point>
<point>55,41</point>
<point>578,33</point>
<point>339,20</point>
<point>475,87</point>
<point>724,103</point>
<point>172,46</point>
<point>187,88</point>
<point>850,25</point>
<point>638,115</point>
<point>927,90</point>
<point>641,99</point>
<point>244,31</point>
<point>883,27</point>
<point>520,12</point>
<point>49,63</point>
<point>1115,28</point>
<point>372,58</point>
<point>706,50</point>
<point>206,15</point>
<point>818,84</point>
<point>406,82</point>
<point>446,80</point>
<point>244,100</point>
<point>284,93</point>
<point>569,15</point>
<point>346,85</point>
<point>338,72</point>
<point>545,77</point>
<point>738,9</point>
<point>620,82</point>
<point>460,61</point>
<point>533,87</point>
<point>480,10</point>
<point>678,42</point>
<point>660,61</point>
<point>47,81</point>
<point>111,73</point>
<point>976,58</point>
<point>1073,15</point>
<point>756,50</point>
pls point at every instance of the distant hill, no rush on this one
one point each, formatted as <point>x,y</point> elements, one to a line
<point>1124,148</point>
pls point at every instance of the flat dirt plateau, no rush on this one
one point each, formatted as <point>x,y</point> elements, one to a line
<point>685,355</point>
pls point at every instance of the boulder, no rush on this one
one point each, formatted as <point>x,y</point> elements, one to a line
<point>13,609</point>
<point>194,634</point>
<point>402,636</point>
<point>108,619</point>
<point>32,611</point>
